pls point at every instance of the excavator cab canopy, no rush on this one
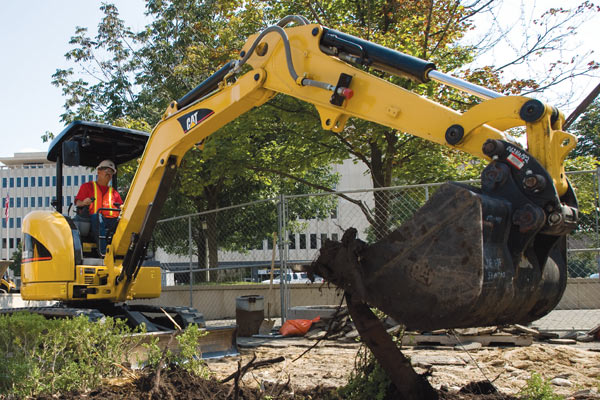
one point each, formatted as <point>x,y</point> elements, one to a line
<point>86,144</point>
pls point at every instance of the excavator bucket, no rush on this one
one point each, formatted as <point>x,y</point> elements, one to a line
<point>462,260</point>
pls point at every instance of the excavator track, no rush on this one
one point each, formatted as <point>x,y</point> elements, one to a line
<point>56,312</point>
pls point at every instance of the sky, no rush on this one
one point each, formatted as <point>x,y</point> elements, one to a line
<point>34,36</point>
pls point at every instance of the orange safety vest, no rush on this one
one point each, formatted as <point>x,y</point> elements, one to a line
<point>103,201</point>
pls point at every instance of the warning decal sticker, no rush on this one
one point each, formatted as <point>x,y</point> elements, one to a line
<point>515,160</point>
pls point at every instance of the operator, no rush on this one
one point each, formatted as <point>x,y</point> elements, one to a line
<point>97,195</point>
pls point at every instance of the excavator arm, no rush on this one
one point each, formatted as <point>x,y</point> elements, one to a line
<point>518,219</point>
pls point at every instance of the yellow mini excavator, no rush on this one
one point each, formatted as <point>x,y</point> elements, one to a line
<point>473,256</point>
<point>7,285</point>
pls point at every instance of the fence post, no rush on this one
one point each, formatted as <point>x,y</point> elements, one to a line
<point>597,211</point>
<point>281,220</point>
<point>190,252</point>
<point>597,205</point>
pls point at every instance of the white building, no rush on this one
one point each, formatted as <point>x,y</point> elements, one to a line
<point>29,183</point>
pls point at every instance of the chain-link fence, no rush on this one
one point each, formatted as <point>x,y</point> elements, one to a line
<point>584,243</point>
<point>243,244</point>
<point>228,246</point>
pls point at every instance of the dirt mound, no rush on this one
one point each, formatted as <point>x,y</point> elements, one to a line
<point>179,384</point>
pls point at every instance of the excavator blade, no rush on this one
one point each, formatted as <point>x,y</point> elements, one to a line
<point>217,342</point>
<point>454,264</point>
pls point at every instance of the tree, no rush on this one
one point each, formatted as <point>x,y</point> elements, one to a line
<point>182,46</point>
<point>17,255</point>
<point>587,129</point>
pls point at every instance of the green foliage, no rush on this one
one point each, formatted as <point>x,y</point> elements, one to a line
<point>581,264</point>
<point>41,356</point>
<point>368,380</point>
<point>587,129</point>
<point>15,266</point>
<point>187,357</point>
<point>538,389</point>
<point>585,185</point>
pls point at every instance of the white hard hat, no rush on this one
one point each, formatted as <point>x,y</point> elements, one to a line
<point>109,164</point>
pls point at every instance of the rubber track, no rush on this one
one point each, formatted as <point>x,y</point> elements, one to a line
<point>57,312</point>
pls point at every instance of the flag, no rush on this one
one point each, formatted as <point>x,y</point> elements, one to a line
<point>6,207</point>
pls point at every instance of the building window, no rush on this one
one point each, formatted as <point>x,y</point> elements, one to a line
<point>40,181</point>
<point>4,222</point>
<point>39,202</point>
<point>4,182</point>
<point>18,202</point>
<point>303,241</point>
<point>334,236</point>
<point>18,223</point>
<point>292,241</point>
<point>25,182</point>
<point>69,180</point>
<point>32,201</point>
<point>323,238</point>
<point>19,181</point>
<point>25,202</point>
<point>82,179</point>
<point>12,202</point>
<point>11,224</point>
<point>47,202</point>
<point>76,180</point>
<point>12,182</point>
<point>313,240</point>
<point>53,181</point>
<point>68,200</point>
<point>47,181</point>
<point>90,178</point>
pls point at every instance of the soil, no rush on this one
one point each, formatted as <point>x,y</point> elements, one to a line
<point>575,371</point>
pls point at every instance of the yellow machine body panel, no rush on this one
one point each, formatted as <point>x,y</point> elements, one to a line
<point>49,271</point>
<point>47,230</point>
<point>147,284</point>
<point>45,291</point>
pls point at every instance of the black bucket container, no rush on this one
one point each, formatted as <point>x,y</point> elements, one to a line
<point>462,260</point>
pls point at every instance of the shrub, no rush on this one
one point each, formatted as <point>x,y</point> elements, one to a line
<point>188,356</point>
<point>538,389</point>
<point>43,356</point>
<point>368,380</point>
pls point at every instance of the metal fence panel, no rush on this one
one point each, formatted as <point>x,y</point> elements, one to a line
<point>226,246</point>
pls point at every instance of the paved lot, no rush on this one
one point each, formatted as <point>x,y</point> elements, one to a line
<point>569,320</point>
